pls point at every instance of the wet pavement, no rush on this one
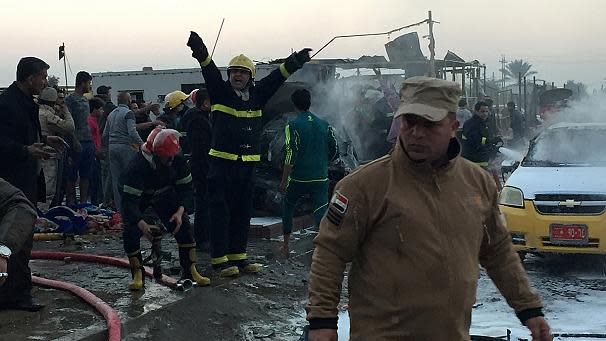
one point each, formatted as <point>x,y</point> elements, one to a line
<point>270,306</point>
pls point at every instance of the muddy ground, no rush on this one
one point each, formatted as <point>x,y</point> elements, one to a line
<point>269,306</point>
<point>244,308</point>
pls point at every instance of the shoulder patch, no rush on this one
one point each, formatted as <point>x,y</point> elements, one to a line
<point>339,202</point>
<point>337,208</point>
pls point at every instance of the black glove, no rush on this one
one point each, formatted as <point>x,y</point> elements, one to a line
<point>296,60</point>
<point>199,50</point>
<point>302,56</point>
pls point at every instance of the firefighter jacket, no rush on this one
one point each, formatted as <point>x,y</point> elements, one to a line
<point>17,217</point>
<point>310,145</point>
<point>477,144</point>
<point>145,182</point>
<point>415,236</point>
<point>237,124</point>
<point>196,124</point>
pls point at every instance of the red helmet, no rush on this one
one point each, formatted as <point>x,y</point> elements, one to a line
<point>194,95</point>
<point>162,142</point>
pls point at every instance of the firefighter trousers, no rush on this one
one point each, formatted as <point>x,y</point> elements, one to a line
<point>318,193</point>
<point>229,199</point>
<point>201,220</point>
<point>164,206</point>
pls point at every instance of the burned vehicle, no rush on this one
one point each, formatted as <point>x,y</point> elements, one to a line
<point>555,201</point>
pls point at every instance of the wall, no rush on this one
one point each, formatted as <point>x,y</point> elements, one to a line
<point>156,83</point>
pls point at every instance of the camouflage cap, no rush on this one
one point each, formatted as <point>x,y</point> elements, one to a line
<point>430,98</point>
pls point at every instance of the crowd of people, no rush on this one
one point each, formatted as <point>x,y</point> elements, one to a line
<point>415,224</point>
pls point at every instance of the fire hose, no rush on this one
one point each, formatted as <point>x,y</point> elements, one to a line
<point>110,315</point>
<point>84,257</point>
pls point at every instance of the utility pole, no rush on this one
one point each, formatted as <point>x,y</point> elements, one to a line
<point>502,61</point>
<point>65,65</point>
<point>432,48</point>
<point>485,79</point>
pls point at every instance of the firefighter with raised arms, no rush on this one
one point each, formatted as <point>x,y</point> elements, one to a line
<point>237,114</point>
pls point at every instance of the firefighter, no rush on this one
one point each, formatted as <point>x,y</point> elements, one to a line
<point>476,137</point>
<point>174,104</point>
<point>310,145</point>
<point>237,114</point>
<point>196,122</point>
<point>479,144</point>
<point>158,177</point>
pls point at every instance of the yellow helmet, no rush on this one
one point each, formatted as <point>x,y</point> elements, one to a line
<point>174,99</point>
<point>243,62</point>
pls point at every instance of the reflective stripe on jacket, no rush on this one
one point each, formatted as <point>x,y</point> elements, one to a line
<point>237,124</point>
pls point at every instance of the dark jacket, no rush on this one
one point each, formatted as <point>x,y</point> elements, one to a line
<point>518,122</point>
<point>17,217</point>
<point>476,141</point>
<point>238,124</point>
<point>143,181</point>
<point>196,123</point>
<point>20,127</point>
<point>310,146</point>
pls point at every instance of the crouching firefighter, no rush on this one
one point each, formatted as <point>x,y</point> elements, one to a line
<point>237,123</point>
<point>158,177</point>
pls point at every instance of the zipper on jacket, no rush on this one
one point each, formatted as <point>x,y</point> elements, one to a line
<point>444,240</point>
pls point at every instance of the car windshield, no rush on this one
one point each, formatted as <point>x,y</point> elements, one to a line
<point>568,146</point>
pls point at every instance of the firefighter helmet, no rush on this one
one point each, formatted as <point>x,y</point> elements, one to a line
<point>194,95</point>
<point>244,63</point>
<point>174,99</point>
<point>162,142</point>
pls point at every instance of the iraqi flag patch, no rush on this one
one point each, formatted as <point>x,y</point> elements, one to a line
<point>337,208</point>
<point>339,202</point>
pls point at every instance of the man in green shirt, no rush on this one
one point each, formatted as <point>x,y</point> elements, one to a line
<point>310,145</point>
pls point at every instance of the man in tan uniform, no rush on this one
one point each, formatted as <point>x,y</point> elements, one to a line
<point>416,225</point>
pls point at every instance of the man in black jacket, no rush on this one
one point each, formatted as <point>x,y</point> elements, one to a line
<point>476,138</point>
<point>158,178</point>
<point>22,143</point>
<point>237,113</point>
<point>196,123</point>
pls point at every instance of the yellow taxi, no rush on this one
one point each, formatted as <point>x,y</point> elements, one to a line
<point>555,201</point>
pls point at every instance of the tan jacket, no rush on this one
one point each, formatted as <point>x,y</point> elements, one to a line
<point>52,123</point>
<point>415,237</point>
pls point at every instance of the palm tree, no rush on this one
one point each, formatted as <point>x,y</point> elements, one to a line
<point>513,69</point>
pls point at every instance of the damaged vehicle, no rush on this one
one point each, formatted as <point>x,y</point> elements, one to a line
<point>555,201</point>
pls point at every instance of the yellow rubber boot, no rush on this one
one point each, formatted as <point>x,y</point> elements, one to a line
<point>137,272</point>
<point>239,260</point>
<point>229,271</point>
<point>195,275</point>
<point>251,268</point>
<point>188,260</point>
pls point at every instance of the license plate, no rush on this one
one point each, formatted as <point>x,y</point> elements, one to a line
<point>570,234</point>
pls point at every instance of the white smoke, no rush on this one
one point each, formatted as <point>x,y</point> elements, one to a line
<point>347,104</point>
<point>589,109</point>
<point>575,134</point>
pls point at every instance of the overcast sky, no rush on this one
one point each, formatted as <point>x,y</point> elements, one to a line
<point>563,39</point>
